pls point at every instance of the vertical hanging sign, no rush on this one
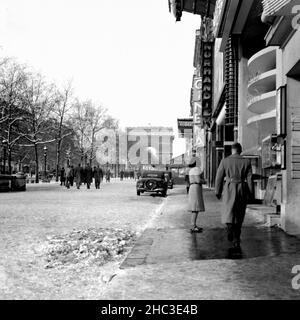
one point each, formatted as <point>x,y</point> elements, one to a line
<point>207,79</point>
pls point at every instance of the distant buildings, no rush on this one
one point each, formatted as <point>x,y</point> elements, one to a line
<point>149,147</point>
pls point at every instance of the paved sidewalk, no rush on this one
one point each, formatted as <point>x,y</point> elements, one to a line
<point>168,262</point>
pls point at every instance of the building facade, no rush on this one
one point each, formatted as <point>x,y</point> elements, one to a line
<point>255,94</point>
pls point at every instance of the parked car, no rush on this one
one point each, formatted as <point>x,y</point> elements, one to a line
<point>152,182</point>
<point>14,182</point>
<point>170,180</point>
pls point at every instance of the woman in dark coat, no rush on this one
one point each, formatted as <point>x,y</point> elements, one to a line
<point>98,175</point>
<point>62,176</point>
<point>196,202</point>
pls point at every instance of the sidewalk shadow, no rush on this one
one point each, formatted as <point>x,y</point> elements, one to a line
<point>256,242</point>
<point>157,246</point>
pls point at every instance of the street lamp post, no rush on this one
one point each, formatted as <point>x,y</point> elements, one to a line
<point>4,143</point>
<point>45,162</point>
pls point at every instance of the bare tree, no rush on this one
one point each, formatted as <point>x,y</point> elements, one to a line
<point>79,121</point>
<point>88,121</point>
<point>39,100</point>
<point>61,111</point>
<point>12,79</point>
<point>97,119</point>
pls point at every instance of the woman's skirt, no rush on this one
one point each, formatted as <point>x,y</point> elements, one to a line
<point>196,202</point>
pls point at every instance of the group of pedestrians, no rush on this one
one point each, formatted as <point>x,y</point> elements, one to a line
<point>235,191</point>
<point>129,174</point>
<point>82,175</point>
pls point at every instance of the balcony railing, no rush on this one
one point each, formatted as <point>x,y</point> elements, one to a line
<point>273,7</point>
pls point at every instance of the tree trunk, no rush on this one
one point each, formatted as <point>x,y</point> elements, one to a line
<point>82,157</point>
<point>58,147</point>
<point>36,164</point>
<point>9,161</point>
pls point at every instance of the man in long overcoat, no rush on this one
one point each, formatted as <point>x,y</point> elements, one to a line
<point>98,176</point>
<point>88,175</point>
<point>121,175</point>
<point>71,176</point>
<point>237,191</point>
<point>78,173</point>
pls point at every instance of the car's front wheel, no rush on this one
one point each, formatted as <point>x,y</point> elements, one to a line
<point>138,193</point>
<point>164,193</point>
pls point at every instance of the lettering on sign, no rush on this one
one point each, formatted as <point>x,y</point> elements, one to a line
<point>207,79</point>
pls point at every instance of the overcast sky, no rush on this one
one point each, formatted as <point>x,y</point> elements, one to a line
<point>130,56</point>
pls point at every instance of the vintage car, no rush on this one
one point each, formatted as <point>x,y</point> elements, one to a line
<point>14,182</point>
<point>152,182</point>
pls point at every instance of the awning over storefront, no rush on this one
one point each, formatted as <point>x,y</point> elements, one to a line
<point>200,7</point>
<point>185,127</point>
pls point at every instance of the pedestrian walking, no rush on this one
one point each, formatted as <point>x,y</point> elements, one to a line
<point>98,175</point>
<point>62,176</point>
<point>121,175</point>
<point>237,191</point>
<point>195,198</point>
<point>78,174</point>
<point>68,173</point>
<point>83,175</point>
<point>107,176</point>
<point>88,176</point>
<point>71,179</point>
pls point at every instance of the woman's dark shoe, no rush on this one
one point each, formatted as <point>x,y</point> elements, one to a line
<point>196,230</point>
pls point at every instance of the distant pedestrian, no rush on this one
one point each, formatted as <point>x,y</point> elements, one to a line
<point>88,176</point>
<point>62,176</point>
<point>83,175</point>
<point>98,175</point>
<point>78,174</point>
<point>68,176</point>
<point>72,176</point>
<point>121,175</point>
<point>195,199</point>
<point>107,175</point>
<point>237,191</point>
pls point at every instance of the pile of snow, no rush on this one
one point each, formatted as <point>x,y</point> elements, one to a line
<point>90,246</point>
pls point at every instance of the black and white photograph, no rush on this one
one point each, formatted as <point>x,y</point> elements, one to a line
<point>149,151</point>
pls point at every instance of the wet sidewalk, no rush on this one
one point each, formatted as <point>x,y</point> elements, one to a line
<point>168,262</point>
